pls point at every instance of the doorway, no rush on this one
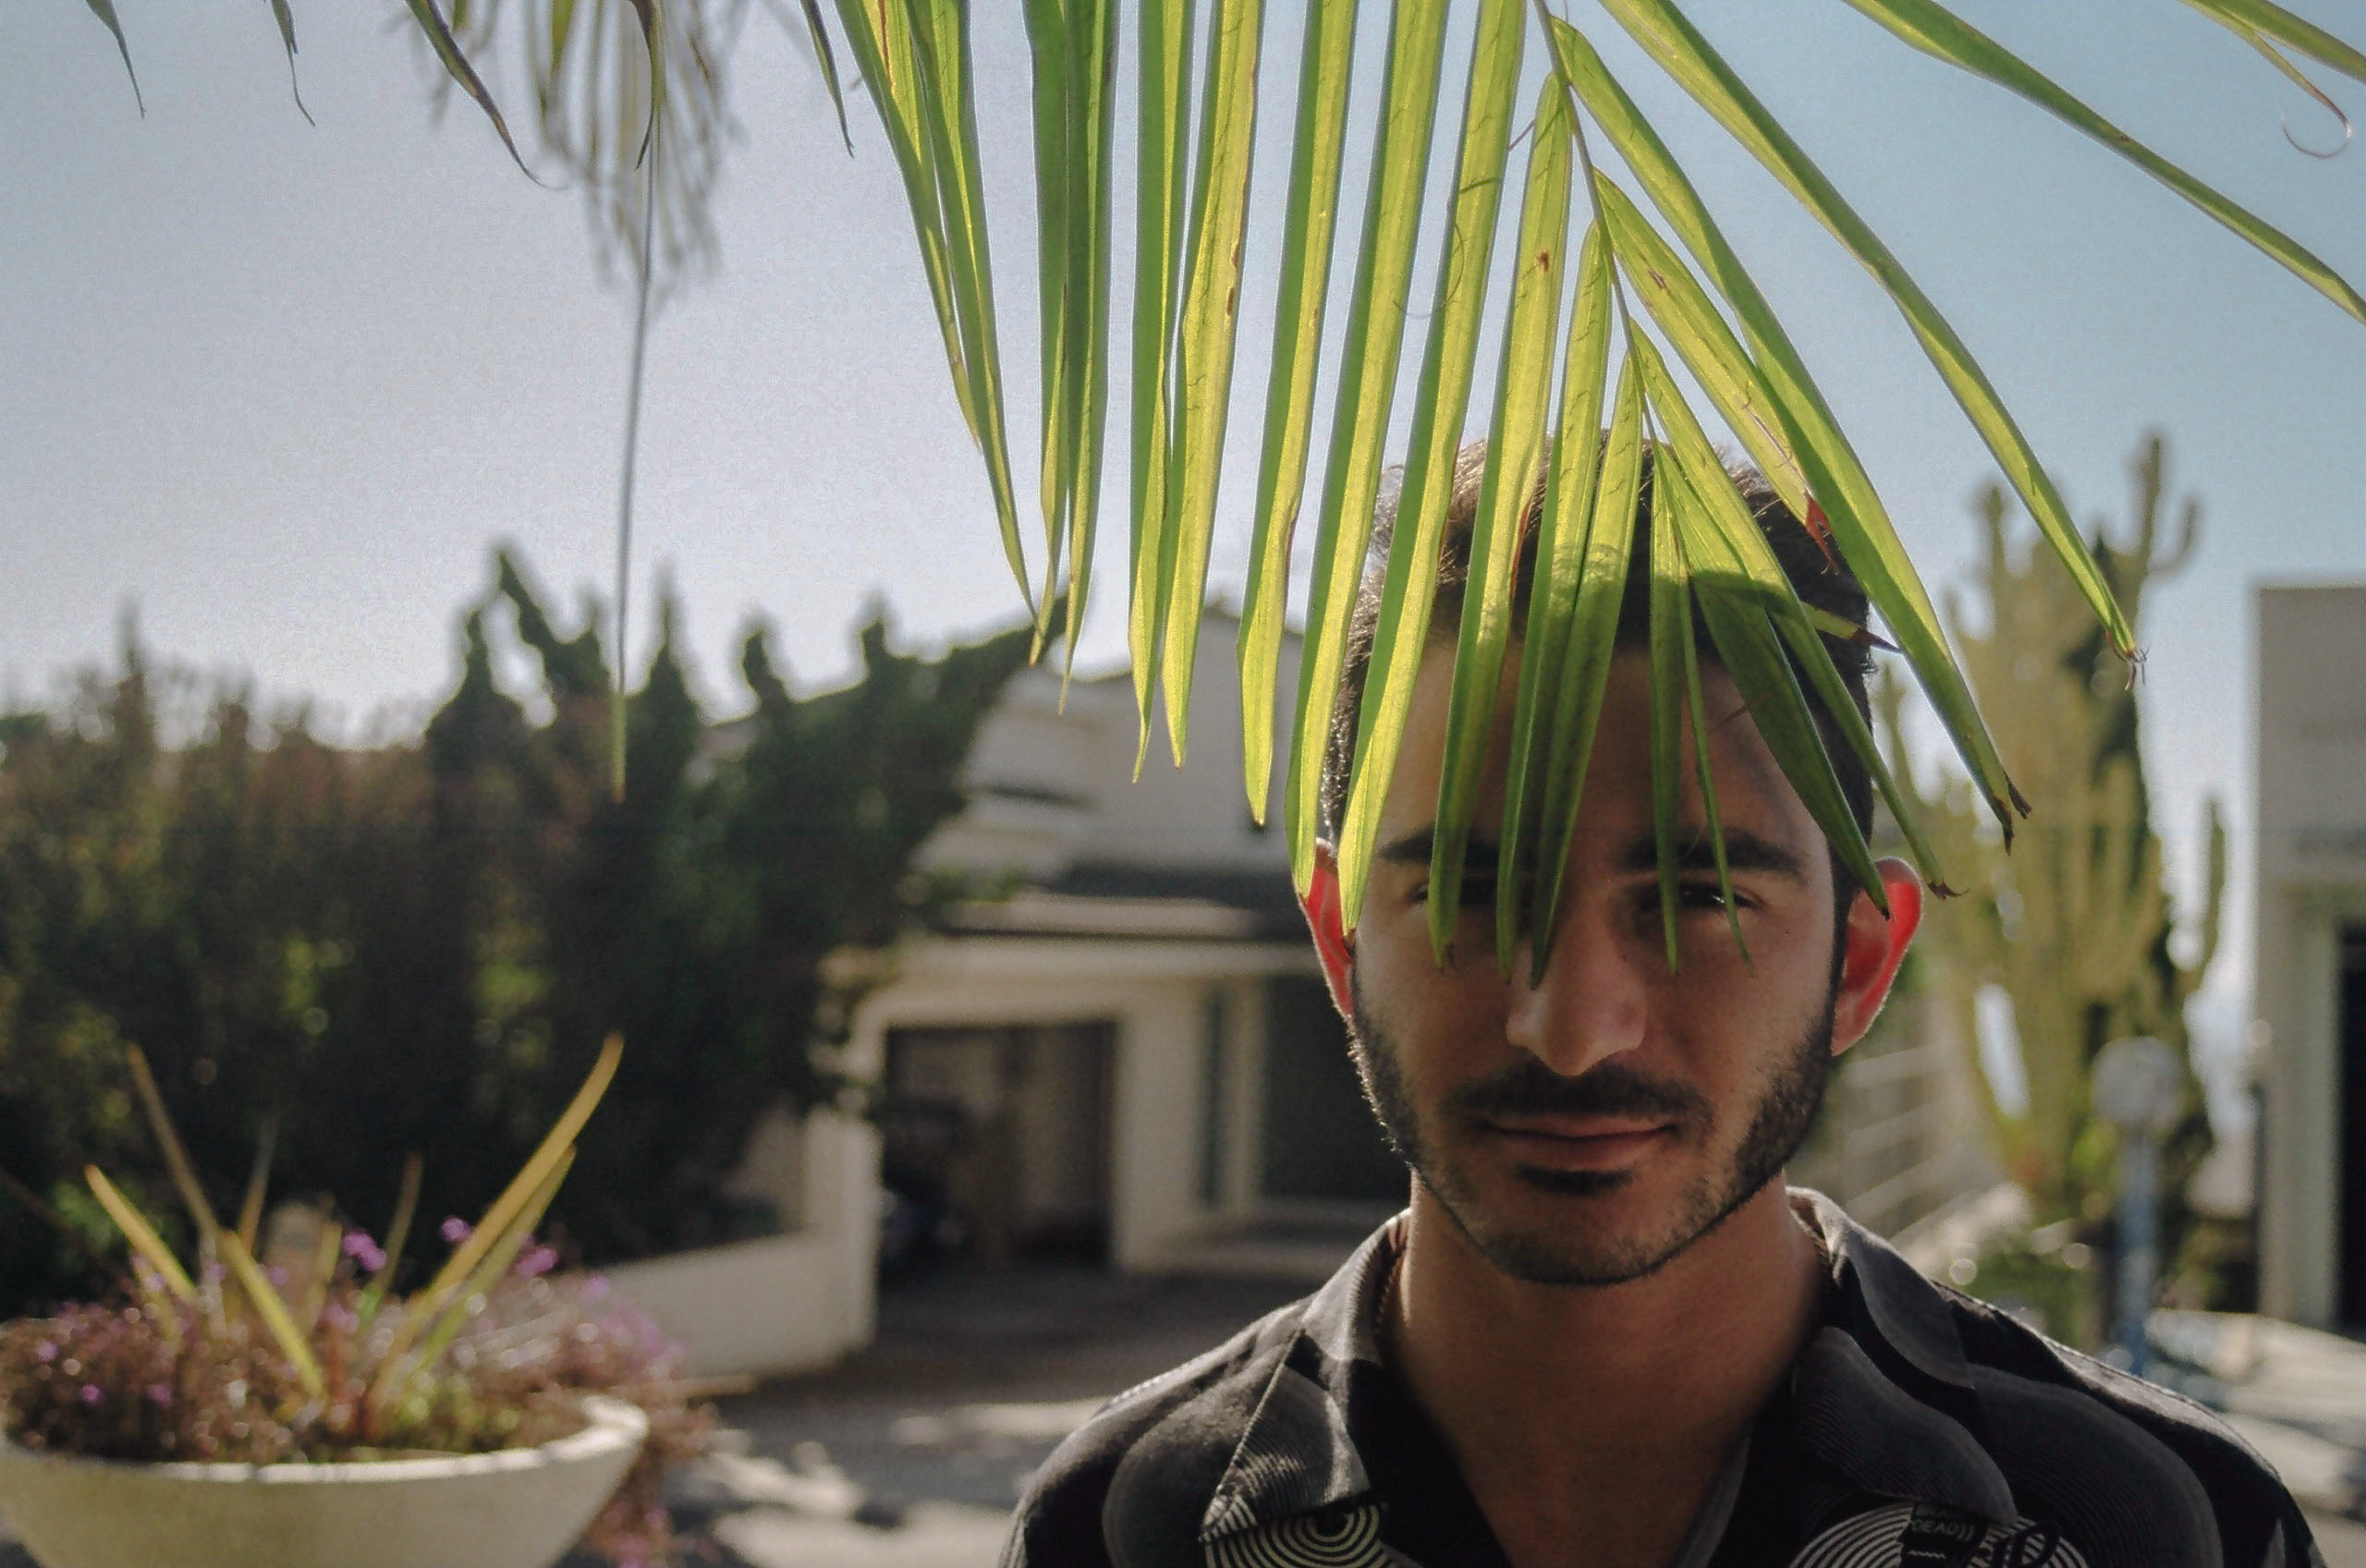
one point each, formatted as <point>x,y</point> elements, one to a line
<point>996,1143</point>
<point>2349,1036</point>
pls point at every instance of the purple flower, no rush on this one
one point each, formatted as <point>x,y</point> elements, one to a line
<point>344,1318</point>
<point>363,1250</point>
<point>457,1229</point>
<point>538,1260</point>
<point>45,1351</point>
<point>91,1393</point>
<point>161,1395</point>
<point>596,1288</point>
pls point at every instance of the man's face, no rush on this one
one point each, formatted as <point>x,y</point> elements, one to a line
<point>1585,1129</point>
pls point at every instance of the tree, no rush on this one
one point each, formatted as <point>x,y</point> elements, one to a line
<point>631,102</point>
<point>2074,925</point>
<point>353,956</point>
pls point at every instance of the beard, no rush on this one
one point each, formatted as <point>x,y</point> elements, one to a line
<point>1786,1108</point>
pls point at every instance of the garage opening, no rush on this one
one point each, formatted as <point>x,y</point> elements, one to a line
<point>996,1143</point>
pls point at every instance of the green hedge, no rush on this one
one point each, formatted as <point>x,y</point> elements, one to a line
<point>420,946</point>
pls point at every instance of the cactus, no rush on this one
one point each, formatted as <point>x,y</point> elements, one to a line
<point>2073,923</point>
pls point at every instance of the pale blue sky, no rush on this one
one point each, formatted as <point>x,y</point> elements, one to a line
<point>284,385</point>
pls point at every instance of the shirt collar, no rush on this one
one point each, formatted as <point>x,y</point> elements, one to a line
<point>1296,1457</point>
<point>1882,1393</point>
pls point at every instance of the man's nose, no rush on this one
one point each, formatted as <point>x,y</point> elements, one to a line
<point>1589,1005</point>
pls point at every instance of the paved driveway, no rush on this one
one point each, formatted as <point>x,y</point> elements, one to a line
<point>910,1454</point>
<point>913,1452</point>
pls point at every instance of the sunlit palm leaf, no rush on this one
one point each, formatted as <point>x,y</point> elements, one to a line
<point>1671,638</point>
<point>1801,628</point>
<point>1712,821</point>
<point>2293,32</point>
<point>1207,331</point>
<point>1401,635</point>
<point>1376,315</point>
<point>825,58</point>
<point>1671,40</point>
<point>439,38</point>
<point>1307,229</point>
<point>1555,593</point>
<point>1162,135</point>
<point>287,20</point>
<point>1515,456</point>
<point>1939,32</point>
<point>2300,78</point>
<point>881,42</point>
<point>1047,40</point>
<point>1586,652</point>
<point>1072,41</point>
<point>1700,335</point>
<point>948,118</point>
<point>1092,106</point>
<point>105,11</point>
<point>1668,289</point>
<point>1851,507</point>
<point>1740,610</point>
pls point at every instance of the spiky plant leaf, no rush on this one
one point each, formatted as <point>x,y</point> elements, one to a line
<point>1939,32</point>
<point>1305,264</point>
<point>1562,524</point>
<point>1523,392</point>
<point>1376,315</point>
<point>1207,329</point>
<point>1401,635</point>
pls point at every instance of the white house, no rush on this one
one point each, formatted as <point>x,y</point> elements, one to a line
<point>2309,952</point>
<point>1131,1058</point>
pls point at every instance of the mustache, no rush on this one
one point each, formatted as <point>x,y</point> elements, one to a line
<point>1530,1088</point>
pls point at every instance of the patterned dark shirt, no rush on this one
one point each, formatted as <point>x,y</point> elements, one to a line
<point>1920,1428</point>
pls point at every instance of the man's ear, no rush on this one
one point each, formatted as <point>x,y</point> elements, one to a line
<point>1873,945</point>
<point>1332,944</point>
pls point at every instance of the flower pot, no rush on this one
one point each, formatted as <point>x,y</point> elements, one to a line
<point>519,1507</point>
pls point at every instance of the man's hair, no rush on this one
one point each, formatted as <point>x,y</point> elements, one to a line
<point>1820,580</point>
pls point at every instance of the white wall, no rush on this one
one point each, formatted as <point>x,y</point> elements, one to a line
<point>1155,993</point>
<point>1056,786</point>
<point>2311,876</point>
<point>787,1303</point>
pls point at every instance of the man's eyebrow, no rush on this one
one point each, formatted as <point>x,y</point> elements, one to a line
<point>1415,848</point>
<point>1745,851</point>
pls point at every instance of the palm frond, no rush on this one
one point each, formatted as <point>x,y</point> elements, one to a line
<point>1654,263</point>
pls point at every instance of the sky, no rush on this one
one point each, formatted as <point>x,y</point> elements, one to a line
<point>283,387</point>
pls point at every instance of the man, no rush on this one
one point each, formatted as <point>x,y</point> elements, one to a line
<point>1605,1333</point>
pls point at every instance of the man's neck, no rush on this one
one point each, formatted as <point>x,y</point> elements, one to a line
<point>1591,1422</point>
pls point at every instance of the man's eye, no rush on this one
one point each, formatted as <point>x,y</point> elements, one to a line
<point>1691,898</point>
<point>1478,890</point>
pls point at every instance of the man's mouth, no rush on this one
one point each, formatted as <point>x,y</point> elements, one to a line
<point>1580,1143</point>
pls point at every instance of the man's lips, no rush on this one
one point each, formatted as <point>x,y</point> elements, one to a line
<point>1579,1143</point>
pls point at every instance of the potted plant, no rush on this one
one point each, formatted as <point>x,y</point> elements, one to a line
<point>295,1411</point>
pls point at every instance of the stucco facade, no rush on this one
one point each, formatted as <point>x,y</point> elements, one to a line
<point>2309,934</point>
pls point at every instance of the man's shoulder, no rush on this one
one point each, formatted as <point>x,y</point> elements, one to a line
<point>2067,1425</point>
<point>1913,1388</point>
<point>1164,1443</point>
